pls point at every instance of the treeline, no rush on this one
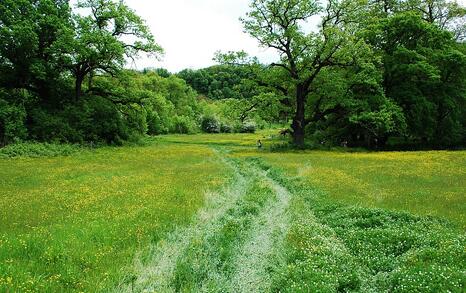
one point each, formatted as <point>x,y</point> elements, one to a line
<point>222,82</point>
<point>61,76</point>
<point>62,79</point>
<point>235,95</point>
<point>374,73</point>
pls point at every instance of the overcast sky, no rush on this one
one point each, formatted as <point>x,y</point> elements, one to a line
<point>191,31</point>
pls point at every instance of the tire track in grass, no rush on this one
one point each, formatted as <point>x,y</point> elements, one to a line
<point>262,251</point>
<point>238,242</point>
<point>158,274</point>
<point>229,247</point>
<point>209,264</point>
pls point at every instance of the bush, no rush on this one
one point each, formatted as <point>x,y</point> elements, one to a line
<point>226,128</point>
<point>12,122</point>
<point>54,126</point>
<point>183,125</point>
<point>93,119</point>
<point>248,127</point>
<point>156,125</point>
<point>32,149</point>
<point>210,125</point>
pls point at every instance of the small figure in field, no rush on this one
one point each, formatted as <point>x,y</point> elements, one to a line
<point>259,144</point>
<point>344,144</point>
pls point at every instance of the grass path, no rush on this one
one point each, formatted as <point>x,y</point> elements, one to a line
<point>156,273</point>
<point>263,234</point>
<point>234,241</point>
<point>262,248</point>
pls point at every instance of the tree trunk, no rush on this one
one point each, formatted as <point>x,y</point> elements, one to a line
<point>78,86</point>
<point>299,121</point>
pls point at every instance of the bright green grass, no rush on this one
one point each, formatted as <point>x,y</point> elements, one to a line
<point>422,183</point>
<point>343,248</point>
<point>77,223</point>
<point>342,240</point>
<point>74,223</point>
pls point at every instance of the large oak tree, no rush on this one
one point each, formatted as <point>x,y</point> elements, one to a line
<point>304,53</point>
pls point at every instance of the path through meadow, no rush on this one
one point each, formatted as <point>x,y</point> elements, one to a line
<point>233,243</point>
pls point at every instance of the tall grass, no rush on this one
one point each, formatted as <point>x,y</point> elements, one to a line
<point>294,221</point>
<point>35,150</point>
<point>74,223</point>
<point>423,183</point>
<point>334,247</point>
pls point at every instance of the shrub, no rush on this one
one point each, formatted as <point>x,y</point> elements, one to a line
<point>248,127</point>
<point>183,125</point>
<point>12,122</point>
<point>32,149</point>
<point>55,126</point>
<point>101,121</point>
<point>156,125</point>
<point>226,128</point>
<point>210,125</point>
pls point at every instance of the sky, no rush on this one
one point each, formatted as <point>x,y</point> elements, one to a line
<point>191,31</point>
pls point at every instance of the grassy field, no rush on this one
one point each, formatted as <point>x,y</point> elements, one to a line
<point>212,213</point>
<point>74,223</point>
<point>422,183</point>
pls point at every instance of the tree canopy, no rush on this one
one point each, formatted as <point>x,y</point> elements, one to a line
<point>371,73</point>
<point>371,70</point>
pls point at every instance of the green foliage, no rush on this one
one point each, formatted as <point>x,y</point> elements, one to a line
<point>225,128</point>
<point>222,81</point>
<point>422,78</point>
<point>389,119</point>
<point>28,33</point>
<point>183,125</point>
<point>210,125</point>
<point>100,41</point>
<point>34,150</point>
<point>44,41</point>
<point>374,71</point>
<point>263,109</point>
<point>248,127</point>
<point>12,117</point>
<point>280,25</point>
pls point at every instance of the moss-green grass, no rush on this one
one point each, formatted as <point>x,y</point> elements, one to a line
<point>422,183</point>
<point>74,223</point>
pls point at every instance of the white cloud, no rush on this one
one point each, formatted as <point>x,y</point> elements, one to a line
<point>191,31</point>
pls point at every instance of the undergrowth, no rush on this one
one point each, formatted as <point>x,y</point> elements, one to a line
<point>36,149</point>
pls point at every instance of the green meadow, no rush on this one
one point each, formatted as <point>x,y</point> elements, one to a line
<point>213,213</point>
<point>74,223</point>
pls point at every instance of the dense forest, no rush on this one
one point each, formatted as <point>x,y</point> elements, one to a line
<point>373,73</point>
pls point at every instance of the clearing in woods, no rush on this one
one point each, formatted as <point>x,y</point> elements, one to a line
<point>212,213</point>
